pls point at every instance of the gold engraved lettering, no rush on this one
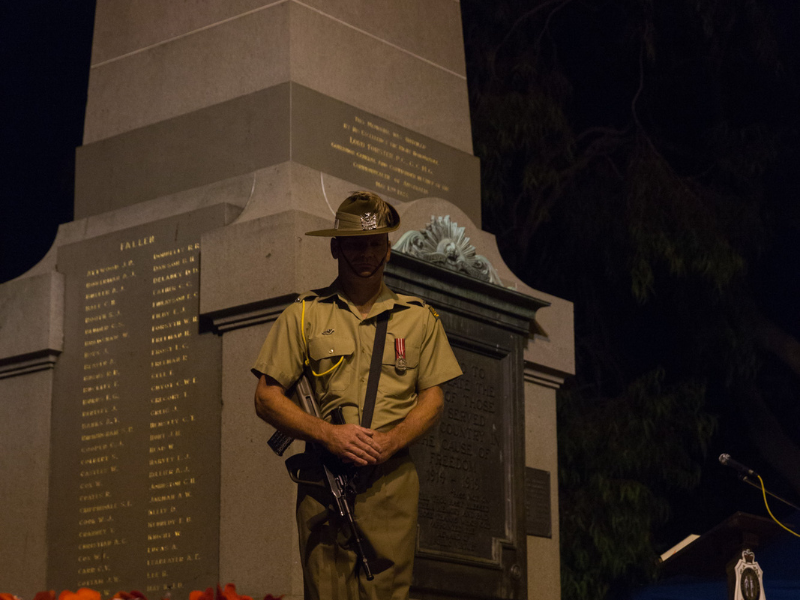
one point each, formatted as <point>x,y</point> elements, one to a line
<point>93,533</point>
<point>103,293</point>
<point>138,243</point>
<point>164,290</point>
<point>103,340</point>
<point>163,523</point>
<point>164,278</point>
<point>163,561</point>
<point>96,399</point>
<point>164,485</point>
<point>177,299</point>
<point>96,460</point>
<point>167,423</point>
<point>102,317</point>
<point>169,265</point>
<point>399,163</point>
<point>164,498</point>
<point>160,399</point>
<point>171,337</point>
<point>99,364</point>
<point>167,253</point>
<point>94,436</point>
<point>371,171</point>
<point>173,276</point>
<point>92,570</point>
<point>377,127</point>
<point>102,447</point>
<point>171,324</point>
<point>173,348</point>
<point>102,282</point>
<point>102,270</point>
<point>94,413</point>
<point>102,507</point>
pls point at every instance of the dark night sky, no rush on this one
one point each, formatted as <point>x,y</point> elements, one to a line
<point>45,47</point>
<point>44,66</point>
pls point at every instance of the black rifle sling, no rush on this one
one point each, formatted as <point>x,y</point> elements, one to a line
<point>375,368</point>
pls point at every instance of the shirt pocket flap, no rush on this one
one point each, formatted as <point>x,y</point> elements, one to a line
<point>390,353</point>
<point>329,346</point>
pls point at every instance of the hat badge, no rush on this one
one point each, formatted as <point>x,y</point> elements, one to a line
<point>369,221</point>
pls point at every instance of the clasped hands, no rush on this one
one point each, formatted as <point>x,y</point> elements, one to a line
<point>359,445</point>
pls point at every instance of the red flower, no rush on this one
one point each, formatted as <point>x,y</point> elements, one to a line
<point>229,593</point>
<point>81,594</point>
<point>51,595</point>
<point>207,595</point>
<point>9,597</point>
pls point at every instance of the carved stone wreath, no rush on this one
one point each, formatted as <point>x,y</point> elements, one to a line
<point>443,243</point>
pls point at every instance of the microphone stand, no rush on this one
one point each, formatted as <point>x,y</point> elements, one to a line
<point>757,485</point>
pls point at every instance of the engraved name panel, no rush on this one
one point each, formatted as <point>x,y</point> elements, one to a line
<point>134,491</point>
<point>462,511</point>
<point>337,138</point>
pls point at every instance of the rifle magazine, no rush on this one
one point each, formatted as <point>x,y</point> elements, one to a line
<point>279,442</point>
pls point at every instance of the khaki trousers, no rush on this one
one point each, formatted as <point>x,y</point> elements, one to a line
<point>386,514</point>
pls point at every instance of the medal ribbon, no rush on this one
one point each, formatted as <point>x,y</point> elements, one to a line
<point>400,353</point>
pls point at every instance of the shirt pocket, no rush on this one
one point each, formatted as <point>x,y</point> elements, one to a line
<point>398,383</point>
<point>330,360</point>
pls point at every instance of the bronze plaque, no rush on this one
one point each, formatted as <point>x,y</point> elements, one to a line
<point>537,503</point>
<point>134,487</point>
<point>463,478</point>
<point>471,539</point>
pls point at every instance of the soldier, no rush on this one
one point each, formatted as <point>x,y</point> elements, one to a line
<point>329,334</point>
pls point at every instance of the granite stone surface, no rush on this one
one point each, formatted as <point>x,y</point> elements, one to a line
<point>227,140</point>
<point>214,65</point>
<point>24,468</point>
<point>267,258</point>
<point>428,28</point>
<point>31,319</point>
<point>292,41</point>
<point>257,511</point>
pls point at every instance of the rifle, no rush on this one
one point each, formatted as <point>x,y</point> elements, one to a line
<point>340,484</point>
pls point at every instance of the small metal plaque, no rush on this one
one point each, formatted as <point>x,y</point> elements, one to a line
<point>538,519</point>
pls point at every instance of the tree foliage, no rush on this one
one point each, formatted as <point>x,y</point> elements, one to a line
<point>635,159</point>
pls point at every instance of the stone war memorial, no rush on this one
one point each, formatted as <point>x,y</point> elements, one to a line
<point>217,132</point>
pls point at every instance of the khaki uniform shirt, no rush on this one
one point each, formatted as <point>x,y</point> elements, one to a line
<point>325,327</point>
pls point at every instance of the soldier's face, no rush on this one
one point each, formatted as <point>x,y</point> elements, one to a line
<point>362,254</point>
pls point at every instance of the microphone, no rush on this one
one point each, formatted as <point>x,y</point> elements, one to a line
<point>726,460</point>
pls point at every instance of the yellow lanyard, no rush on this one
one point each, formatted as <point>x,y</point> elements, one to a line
<point>305,345</point>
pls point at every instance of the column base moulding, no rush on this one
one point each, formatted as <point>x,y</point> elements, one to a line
<point>28,363</point>
<point>247,315</point>
<point>543,376</point>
